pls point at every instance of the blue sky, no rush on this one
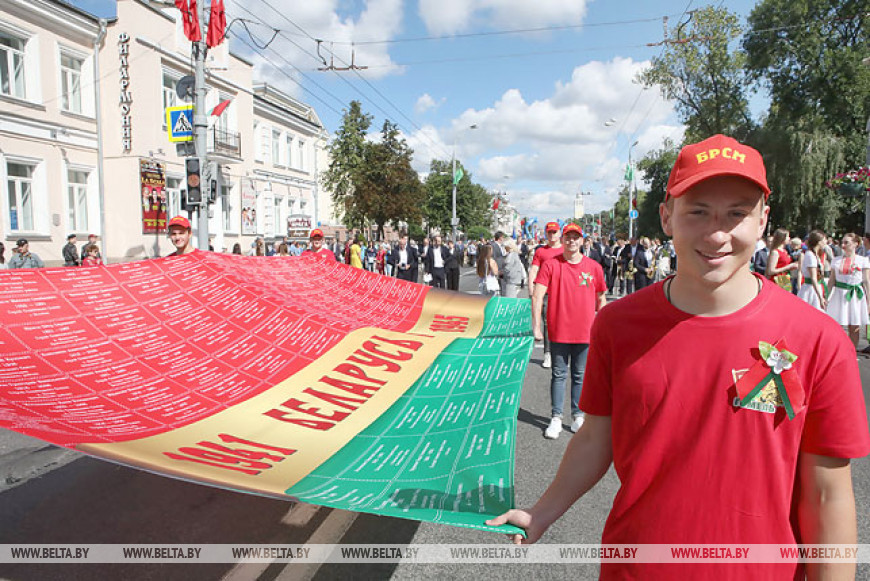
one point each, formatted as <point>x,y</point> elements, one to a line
<point>539,98</point>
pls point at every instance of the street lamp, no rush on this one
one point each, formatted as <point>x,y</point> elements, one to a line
<point>630,195</point>
<point>454,221</point>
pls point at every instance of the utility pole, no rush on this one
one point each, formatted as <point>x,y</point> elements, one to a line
<point>630,195</point>
<point>454,221</point>
<point>200,129</point>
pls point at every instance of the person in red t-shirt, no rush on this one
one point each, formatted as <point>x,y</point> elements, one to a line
<point>575,286</point>
<point>729,407</point>
<point>552,248</point>
<point>316,247</point>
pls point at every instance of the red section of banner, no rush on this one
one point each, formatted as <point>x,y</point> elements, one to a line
<point>137,349</point>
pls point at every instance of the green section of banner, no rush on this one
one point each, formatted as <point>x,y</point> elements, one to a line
<point>445,451</point>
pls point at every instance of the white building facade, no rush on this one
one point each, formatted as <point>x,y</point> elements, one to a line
<point>83,99</point>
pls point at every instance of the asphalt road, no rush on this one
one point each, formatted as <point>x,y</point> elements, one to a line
<point>49,495</point>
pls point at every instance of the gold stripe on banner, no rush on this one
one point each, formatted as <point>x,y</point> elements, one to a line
<point>453,313</point>
<point>273,440</point>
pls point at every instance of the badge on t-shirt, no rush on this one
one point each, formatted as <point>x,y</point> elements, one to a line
<point>771,382</point>
<point>766,400</point>
<point>586,279</point>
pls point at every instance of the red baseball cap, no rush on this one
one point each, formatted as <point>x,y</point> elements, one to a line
<point>572,227</point>
<point>179,221</point>
<point>316,233</point>
<point>716,156</point>
<point>552,227</point>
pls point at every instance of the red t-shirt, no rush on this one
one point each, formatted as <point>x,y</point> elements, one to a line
<point>573,290</point>
<point>324,252</point>
<point>544,252</point>
<point>693,466</point>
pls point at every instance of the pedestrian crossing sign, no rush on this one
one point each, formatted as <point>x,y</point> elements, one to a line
<point>179,123</point>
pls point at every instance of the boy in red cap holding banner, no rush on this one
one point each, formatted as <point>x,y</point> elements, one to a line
<point>316,247</point>
<point>729,408</point>
<point>179,235</point>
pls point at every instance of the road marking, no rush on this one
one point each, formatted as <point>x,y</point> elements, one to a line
<point>330,531</point>
<point>299,515</point>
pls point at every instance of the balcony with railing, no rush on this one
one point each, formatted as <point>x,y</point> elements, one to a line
<point>224,145</point>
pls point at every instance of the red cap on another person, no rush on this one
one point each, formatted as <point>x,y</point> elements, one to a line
<point>552,227</point>
<point>572,227</point>
<point>316,233</point>
<point>179,221</point>
<point>716,156</point>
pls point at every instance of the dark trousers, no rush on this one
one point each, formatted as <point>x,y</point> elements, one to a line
<point>641,280</point>
<point>453,279</point>
<point>439,278</point>
<point>409,274</point>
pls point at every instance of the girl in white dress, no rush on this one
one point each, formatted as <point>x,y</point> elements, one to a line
<point>811,290</point>
<point>849,283</point>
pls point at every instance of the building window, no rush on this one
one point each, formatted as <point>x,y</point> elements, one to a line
<point>276,147</point>
<point>11,66</point>
<point>300,158</point>
<point>71,83</point>
<point>19,183</point>
<point>226,207</point>
<point>265,142</point>
<point>170,99</point>
<point>288,146</point>
<point>173,191</point>
<point>77,200</point>
<point>279,216</point>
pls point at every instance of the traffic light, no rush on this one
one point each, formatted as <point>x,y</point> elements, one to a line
<point>194,183</point>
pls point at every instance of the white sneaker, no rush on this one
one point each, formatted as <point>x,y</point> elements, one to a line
<point>554,429</point>
<point>578,421</point>
<point>547,363</point>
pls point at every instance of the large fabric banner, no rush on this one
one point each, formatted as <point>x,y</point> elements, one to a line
<point>282,376</point>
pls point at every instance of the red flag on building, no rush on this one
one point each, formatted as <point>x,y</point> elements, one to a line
<point>496,203</point>
<point>190,19</point>
<point>220,107</point>
<point>217,24</point>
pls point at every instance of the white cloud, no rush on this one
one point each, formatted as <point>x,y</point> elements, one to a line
<point>426,102</point>
<point>452,16</point>
<point>554,147</point>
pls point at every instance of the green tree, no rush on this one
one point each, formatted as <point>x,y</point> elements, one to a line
<point>347,160</point>
<point>798,164</point>
<point>620,213</point>
<point>808,54</point>
<point>478,232</point>
<point>473,202</point>
<point>388,188</point>
<point>703,76</point>
<point>656,168</point>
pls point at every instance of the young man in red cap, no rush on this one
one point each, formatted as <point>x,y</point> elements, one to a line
<point>575,286</point>
<point>316,246</point>
<point>179,234</point>
<point>543,252</point>
<point>729,410</point>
